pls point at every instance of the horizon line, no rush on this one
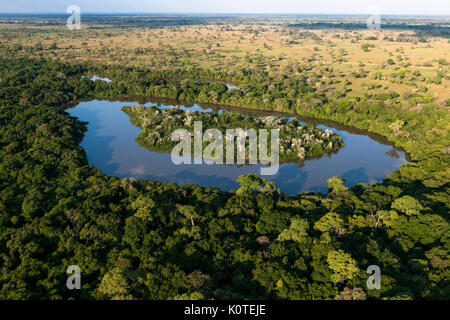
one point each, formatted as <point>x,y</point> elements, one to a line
<point>226,13</point>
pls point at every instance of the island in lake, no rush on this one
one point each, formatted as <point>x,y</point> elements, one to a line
<point>297,142</point>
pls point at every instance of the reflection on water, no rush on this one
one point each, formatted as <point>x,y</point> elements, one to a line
<point>109,144</point>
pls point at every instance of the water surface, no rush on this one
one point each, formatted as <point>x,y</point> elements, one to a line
<point>110,146</point>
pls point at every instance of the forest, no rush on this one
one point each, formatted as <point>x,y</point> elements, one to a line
<point>154,240</point>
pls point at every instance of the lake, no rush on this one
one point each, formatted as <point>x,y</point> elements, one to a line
<point>110,146</point>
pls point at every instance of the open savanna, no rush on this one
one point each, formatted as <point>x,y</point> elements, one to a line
<point>349,59</point>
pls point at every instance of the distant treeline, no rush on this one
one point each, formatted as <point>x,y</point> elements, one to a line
<point>424,27</point>
<point>131,20</point>
<point>428,29</point>
<point>122,20</point>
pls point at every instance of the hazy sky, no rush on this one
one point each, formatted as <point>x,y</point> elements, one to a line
<point>429,7</point>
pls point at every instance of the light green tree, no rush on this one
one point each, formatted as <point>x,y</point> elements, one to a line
<point>396,126</point>
<point>115,285</point>
<point>143,206</point>
<point>297,231</point>
<point>331,222</point>
<point>407,205</point>
<point>342,264</point>
<point>384,218</point>
<point>336,184</point>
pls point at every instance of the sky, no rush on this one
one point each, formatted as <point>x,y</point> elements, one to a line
<point>403,7</point>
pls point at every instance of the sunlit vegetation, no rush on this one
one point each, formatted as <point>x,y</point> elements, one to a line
<point>296,142</point>
<point>151,240</point>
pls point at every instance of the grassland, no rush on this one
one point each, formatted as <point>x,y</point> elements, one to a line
<point>352,62</point>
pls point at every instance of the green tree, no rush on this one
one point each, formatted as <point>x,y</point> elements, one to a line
<point>115,285</point>
<point>253,182</point>
<point>407,205</point>
<point>190,213</point>
<point>297,231</point>
<point>336,184</point>
<point>331,222</point>
<point>342,264</point>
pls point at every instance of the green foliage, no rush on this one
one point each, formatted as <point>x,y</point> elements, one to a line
<point>407,205</point>
<point>151,240</point>
<point>343,265</point>
<point>252,182</point>
<point>331,222</point>
<point>272,223</point>
<point>336,185</point>
<point>297,231</point>
<point>296,142</point>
